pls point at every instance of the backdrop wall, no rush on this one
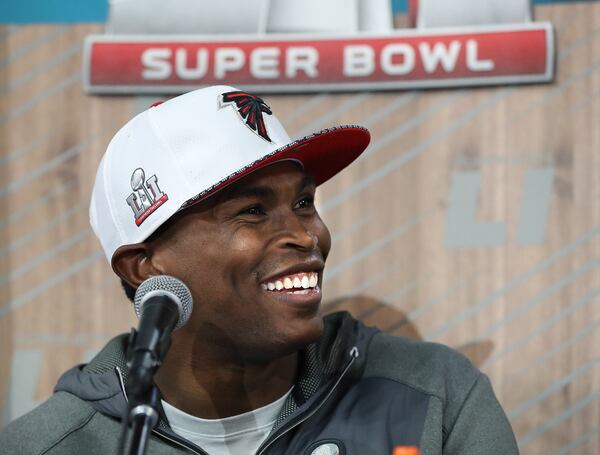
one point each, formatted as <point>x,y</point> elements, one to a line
<point>472,220</point>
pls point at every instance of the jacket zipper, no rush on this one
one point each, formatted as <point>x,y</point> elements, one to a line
<point>292,425</point>
<point>269,441</point>
<point>178,443</point>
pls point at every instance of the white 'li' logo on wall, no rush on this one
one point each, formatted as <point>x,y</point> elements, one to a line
<point>146,196</point>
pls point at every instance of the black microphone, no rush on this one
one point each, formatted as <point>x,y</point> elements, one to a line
<point>163,304</point>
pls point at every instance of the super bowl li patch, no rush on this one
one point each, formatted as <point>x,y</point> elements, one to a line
<point>146,196</point>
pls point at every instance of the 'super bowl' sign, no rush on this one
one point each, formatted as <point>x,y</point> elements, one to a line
<point>503,54</point>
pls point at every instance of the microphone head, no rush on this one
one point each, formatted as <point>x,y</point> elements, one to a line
<point>169,286</point>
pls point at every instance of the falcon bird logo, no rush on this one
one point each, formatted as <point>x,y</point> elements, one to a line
<point>250,109</point>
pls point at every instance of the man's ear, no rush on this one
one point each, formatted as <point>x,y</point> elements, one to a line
<point>132,263</point>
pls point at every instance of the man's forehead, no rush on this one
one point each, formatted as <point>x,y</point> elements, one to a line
<point>269,179</point>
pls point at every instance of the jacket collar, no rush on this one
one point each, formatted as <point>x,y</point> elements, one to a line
<point>99,382</point>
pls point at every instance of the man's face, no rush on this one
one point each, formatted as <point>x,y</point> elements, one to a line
<point>240,251</point>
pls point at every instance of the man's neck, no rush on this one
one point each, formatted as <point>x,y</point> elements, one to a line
<point>213,388</point>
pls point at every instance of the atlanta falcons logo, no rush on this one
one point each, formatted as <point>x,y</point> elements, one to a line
<point>250,108</point>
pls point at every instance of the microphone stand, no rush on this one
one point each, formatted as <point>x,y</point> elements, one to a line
<point>142,395</point>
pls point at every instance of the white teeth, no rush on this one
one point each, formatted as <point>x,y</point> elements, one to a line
<point>305,282</point>
<point>301,291</point>
<point>308,280</point>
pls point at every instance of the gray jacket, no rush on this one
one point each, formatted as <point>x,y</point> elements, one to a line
<point>360,390</point>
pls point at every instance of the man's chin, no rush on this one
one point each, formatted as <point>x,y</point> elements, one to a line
<point>306,332</point>
<point>282,337</point>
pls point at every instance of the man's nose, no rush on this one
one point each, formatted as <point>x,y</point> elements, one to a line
<point>293,232</point>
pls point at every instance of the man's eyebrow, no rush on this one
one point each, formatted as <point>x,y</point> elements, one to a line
<point>250,191</point>
<point>307,180</point>
<point>260,191</point>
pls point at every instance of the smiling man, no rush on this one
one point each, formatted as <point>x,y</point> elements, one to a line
<point>209,188</point>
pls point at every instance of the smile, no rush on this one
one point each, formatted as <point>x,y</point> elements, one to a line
<point>301,283</point>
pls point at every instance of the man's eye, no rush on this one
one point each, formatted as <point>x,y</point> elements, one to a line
<point>253,210</point>
<point>305,202</point>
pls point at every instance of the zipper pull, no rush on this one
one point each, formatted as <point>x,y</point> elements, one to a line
<point>354,352</point>
<point>406,450</point>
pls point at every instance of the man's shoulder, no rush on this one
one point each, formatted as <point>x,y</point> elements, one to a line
<point>38,431</point>
<point>431,368</point>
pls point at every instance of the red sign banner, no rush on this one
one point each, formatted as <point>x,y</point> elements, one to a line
<point>466,56</point>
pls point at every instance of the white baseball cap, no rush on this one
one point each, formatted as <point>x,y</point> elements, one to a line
<point>183,150</point>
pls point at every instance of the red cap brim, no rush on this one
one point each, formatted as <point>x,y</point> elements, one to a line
<point>323,154</point>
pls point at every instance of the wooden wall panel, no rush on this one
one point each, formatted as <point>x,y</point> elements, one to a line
<point>6,334</point>
<point>514,285</point>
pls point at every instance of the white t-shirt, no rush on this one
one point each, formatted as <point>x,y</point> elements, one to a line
<point>236,435</point>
